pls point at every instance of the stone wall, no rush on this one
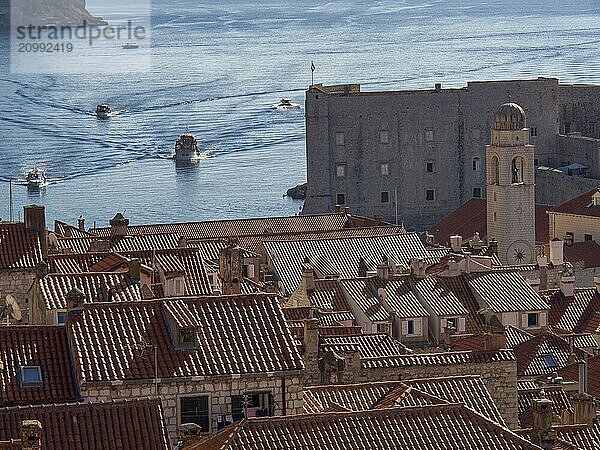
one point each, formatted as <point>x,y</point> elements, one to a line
<point>552,187</point>
<point>17,284</point>
<point>218,389</point>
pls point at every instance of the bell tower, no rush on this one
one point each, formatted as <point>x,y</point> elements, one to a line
<point>510,186</point>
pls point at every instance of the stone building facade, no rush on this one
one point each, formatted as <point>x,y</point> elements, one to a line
<point>286,391</point>
<point>418,155</point>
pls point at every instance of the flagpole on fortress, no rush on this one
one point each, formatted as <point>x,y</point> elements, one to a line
<point>312,72</point>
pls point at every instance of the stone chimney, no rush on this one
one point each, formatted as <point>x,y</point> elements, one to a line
<point>542,433</point>
<point>118,225</point>
<point>383,269</point>
<point>475,242</point>
<point>584,410</point>
<point>556,252</point>
<point>134,270</point>
<point>35,222</point>
<point>41,269</point>
<point>456,243</point>
<point>417,267</point>
<point>182,242</point>
<point>493,247</point>
<point>542,262</point>
<point>567,283</point>
<point>230,268</point>
<point>308,276</point>
<point>362,267</point>
<point>31,435</point>
<point>81,223</point>
<point>75,301</point>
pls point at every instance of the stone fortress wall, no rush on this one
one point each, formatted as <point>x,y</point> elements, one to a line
<point>434,140</point>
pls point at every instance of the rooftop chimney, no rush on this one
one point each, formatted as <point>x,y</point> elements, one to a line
<point>417,267</point>
<point>456,243</point>
<point>383,269</point>
<point>81,223</point>
<point>311,337</point>
<point>75,301</point>
<point>556,252</point>
<point>182,242</point>
<point>438,87</point>
<point>493,247</point>
<point>584,409</point>
<point>567,283</point>
<point>542,433</point>
<point>118,225</point>
<point>35,222</point>
<point>230,268</point>
<point>31,435</point>
<point>362,267</point>
<point>597,284</point>
<point>134,269</point>
<point>476,242</point>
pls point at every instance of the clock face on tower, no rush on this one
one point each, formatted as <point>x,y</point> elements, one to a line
<point>519,252</point>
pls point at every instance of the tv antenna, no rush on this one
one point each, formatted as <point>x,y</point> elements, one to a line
<point>10,310</point>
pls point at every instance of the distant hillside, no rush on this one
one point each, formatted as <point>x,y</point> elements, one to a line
<point>47,12</point>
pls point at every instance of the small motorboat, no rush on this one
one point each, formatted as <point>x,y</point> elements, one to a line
<point>186,148</point>
<point>285,104</point>
<point>103,111</point>
<point>130,45</point>
<point>36,178</point>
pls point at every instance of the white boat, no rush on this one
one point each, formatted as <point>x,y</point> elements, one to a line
<point>285,104</point>
<point>130,45</point>
<point>103,111</point>
<point>186,148</point>
<point>36,178</point>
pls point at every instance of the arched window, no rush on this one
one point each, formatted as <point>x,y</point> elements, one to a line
<point>476,164</point>
<point>494,170</point>
<point>517,166</point>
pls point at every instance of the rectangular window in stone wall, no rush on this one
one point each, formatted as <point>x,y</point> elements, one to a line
<point>588,237</point>
<point>429,135</point>
<point>429,167</point>
<point>430,195</point>
<point>340,199</point>
<point>340,170</point>
<point>477,192</point>
<point>385,169</point>
<point>384,137</point>
<point>340,139</point>
<point>533,131</point>
<point>195,410</point>
<point>252,404</point>
<point>384,197</point>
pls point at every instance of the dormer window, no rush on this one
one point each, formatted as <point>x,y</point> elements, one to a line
<point>187,337</point>
<point>31,376</point>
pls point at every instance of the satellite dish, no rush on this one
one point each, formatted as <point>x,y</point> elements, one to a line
<point>12,308</point>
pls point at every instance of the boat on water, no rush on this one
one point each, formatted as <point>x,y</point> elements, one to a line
<point>285,104</point>
<point>186,148</point>
<point>130,45</point>
<point>103,111</point>
<point>36,178</point>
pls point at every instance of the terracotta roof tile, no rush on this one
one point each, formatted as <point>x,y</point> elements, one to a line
<point>242,227</point>
<point>436,359</point>
<point>580,205</point>
<point>119,244</point>
<point>19,249</point>
<point>543,354</point>
<point>43,346</point>
<point>585,438</point>
<point>431,427</point>
<point>572,314</point>
<point>471,217</point>
<point>571,373</point>
<point>559,397</point>
<point>586,254</point>
<point>236,335</point>
<point>375,345</point>
<point>132,424</point>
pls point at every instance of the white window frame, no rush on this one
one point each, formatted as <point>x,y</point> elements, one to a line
<point>340,138</point>
<point>429,135</point>
<point>384,169</point>
<point>340,170</point>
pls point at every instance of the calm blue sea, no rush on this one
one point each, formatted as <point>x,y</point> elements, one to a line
<point>218,67</point>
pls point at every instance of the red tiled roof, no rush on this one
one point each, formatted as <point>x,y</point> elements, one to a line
<point>572,314</point>
<point>130,424</point>
<point>471,217</point>
<point>243,227</point>
<point>120,244</point>
<point>584,437</point>
<point>571,373</point>
<point>43,346</point>
<point>97,287</point>
<point>532,359</point>
<point>585,253</point>
<point>19,249</point>
<point>560,402</point>
<point>437,359</point>
<point>451,426</point>
<point>238,335</point>
<point>580,205</point>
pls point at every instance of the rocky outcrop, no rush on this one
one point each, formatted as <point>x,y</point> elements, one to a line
<point>47,12</point>
<point>297,192</point>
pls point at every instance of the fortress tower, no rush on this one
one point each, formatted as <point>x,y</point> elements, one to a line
<point>510,186</point>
